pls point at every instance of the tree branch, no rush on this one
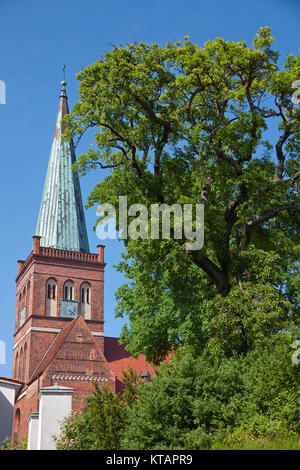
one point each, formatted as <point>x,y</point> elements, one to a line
<point>206,190</point>
<point>213,271</point>
<point>258,219</point>
<point>279,152</point>
<point>222,155</point>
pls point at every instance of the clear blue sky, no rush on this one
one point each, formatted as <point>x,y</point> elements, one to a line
<point>36,39</point>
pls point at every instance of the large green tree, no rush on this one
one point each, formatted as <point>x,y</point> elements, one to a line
<point>216,125</point>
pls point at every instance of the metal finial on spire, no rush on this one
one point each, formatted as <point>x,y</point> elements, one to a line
<point>63,83</point>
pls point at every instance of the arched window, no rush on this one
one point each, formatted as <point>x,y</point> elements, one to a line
<point>86,300</point>
<point>17,366</point>
<point>25,363</point>
<point>68,291</point>
<point>27,299</point>
<point>19,308</point>
<point>22,307</point>
<point>51,298</point>
<point>20,368</point>
<point>17,419</point>
<point>17,424</point>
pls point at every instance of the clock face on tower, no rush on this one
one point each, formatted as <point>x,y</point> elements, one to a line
<point>69,308</point>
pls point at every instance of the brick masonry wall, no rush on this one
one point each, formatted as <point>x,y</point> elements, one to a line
<point>79,358</point>
<point>23,408</point>
<point>77,363</point>
<point>30,402</point>
<point>32,292</point>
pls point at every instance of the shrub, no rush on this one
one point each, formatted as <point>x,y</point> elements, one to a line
<point>102,422</point>
<point>196,403</point>
<point>260,434</point>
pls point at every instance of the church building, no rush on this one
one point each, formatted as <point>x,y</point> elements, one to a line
<point>59,343</point>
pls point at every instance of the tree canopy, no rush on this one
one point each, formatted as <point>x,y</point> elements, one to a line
<point>215,125</point>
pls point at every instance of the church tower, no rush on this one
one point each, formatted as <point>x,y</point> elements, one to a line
<point>60,279</point>
<point>59,343</point>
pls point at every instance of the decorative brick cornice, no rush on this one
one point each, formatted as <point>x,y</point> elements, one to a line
<point>69,255</point>
<point>49,254</point>
<point>46,329</point>
<point>77,378</point>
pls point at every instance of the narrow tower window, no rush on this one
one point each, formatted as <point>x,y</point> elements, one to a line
<point>28,293</point>
<point>25,364</point>
<point>86,301</point>
<point>17,366</point>
<point>68,291</point>
<point>20,369</point>
<point>51,303</point>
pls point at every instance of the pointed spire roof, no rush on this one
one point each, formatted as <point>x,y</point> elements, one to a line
<point>61,222</point>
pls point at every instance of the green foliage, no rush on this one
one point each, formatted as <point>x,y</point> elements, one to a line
<point>260,434</point>
<point>76,433</point>
<point>4,445</point>
<point>107,417</point>
<point>250,316</point>
<point>184,124</point>
<point>100,426</point>
<point>272,383</point>
<point>196,403</point>
<point>204,402</point>
<point>24,444</point>
<point>131,381</point>
<point>188,394</point>
<point>190,124</point>
<point>8,445</point>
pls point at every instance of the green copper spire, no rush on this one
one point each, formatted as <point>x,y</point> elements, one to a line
<point>61,222</point>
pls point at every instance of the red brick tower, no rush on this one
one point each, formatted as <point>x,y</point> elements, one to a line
<point>60,279</point>
<point>59,336</point>
<point>59,309</point>
<point>53,286</point>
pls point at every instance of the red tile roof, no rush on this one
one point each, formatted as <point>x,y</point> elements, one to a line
<point>118,358</point>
